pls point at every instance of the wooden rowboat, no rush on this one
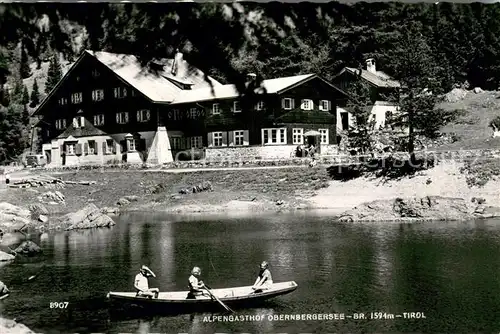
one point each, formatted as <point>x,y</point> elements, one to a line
<point>177,301</point>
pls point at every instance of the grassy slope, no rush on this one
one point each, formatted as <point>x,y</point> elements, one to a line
<point>472,128</point>
<point>266,185</point>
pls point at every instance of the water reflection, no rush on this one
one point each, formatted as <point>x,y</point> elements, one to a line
<point>447,270</point>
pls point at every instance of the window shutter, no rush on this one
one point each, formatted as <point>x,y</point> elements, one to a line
<point>103,148</point>
<point>117,118</point>
<point>245,137</point>
<point>82,121</point>
<point>231,138</point>
<point>329,105</point>
<point>126,117</point>
<point>148,115</point>
<point>302,104</point>
<point>293,103</point>
<point>210,138</point>
<point>224,138</point>
<point>86,148</point>
<point>123,146</point>
<point>96,148</point>
<point>113,147</point>
<point>78,149</point>
<point>138,115</point>
<point>75,123</point>
<point>62,149</point>
<point>283,103</point>
<point>64,123</point>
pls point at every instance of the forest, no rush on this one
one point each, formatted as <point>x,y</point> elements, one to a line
<point>426,46</point>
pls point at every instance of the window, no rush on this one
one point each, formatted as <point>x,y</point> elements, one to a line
<point>92,147</point>
<point>120,92</point>
<point>98,95</point>
<point>239,136</point>
<point>175,114</point>
<point>63,101</point>
<point>78,122</point>
<point>236,106</point>
<point>215,109</point>
<point>324,136</point>
<point>95,73</point>
<point>306,104</point>
<point>70,149</point>
<point>132,144</point>
<point>110,145</point>
<point>122,117</point>
<point>176,143</point>
<point>287,103</point>
<point>193,113</point>
<point>61,124</point>
<point>76,98</point>
<point>196,142</point>
<point>260,105</point>
<point>274,136</point>
<point>324,105</point>
<point>143,115</point>
<point>217,138</point>
<point>99,119</point>
<point>298,136</point>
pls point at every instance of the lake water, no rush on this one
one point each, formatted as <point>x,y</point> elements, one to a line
<point>448,271</point>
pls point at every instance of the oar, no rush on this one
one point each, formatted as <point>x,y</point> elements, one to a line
<point>227,308</point>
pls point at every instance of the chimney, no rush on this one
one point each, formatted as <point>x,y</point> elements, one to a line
<point>251,78</point>
<point>178,66</point>
<point>370,65</point>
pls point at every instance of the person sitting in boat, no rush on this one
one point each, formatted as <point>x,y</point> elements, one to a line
<point>265,280</point>
<point>196,285</point>
<point>142,285</point>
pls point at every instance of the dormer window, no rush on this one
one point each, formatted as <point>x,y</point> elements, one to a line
<point>76,98</point>
<point>120,92</point>
<point>260,105</point>
<point>287,103</point>
<point>236,106</point>
<point>98,95</point>
<point>306,104</point>
<point>63,101</point>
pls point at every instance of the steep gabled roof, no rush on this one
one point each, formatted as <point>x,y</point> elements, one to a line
<point>268,86</point>
<point>155,85</point>
<point>377,78</point>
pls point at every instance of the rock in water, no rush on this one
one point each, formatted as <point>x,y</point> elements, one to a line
<point>6,257</point>
<point>401,209</point>
<point>28,248</point>
<point>88,217</point>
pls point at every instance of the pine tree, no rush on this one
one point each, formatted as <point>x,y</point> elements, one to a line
<point>24,69</point>
<point>5,97</point>
<point>17,92</point>
<point>26,96</point>
<point>35,95</point>
<point>26,115</point>
<point>54,74</point>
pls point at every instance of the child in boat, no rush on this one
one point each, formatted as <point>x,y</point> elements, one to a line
<point>196,285</point>
<point>142,285</point>
<point>265,280</point>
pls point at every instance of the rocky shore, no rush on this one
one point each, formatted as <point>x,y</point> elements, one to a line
<point>12,327</point>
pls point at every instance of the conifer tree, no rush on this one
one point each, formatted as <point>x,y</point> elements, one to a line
<point>24,69</point>
<point>54,74</point>
<point>26,95</point>
<point>35,95</point>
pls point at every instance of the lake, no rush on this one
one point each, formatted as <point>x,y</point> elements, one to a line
<point>448,271</point>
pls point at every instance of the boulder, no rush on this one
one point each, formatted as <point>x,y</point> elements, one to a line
<point>123,201</point>
<point>88,217</point>
<point>28,248</point>
<point>132,198</point>
<point>3,289</point>
<point>417,208</point>
<point>38,209</point>
<point>12,214</point>
<point>455,95</point>
<point>11,327</point>
<point>43,218</point>
<point>6,257</point>
<point>478,90</point>
<point>52,197</point>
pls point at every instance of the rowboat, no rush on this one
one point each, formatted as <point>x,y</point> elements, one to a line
<point>178,301</point>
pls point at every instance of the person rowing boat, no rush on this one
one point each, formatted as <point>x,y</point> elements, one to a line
<point>142,285</point>
<point>264,280</point>
<point>196,285</point>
